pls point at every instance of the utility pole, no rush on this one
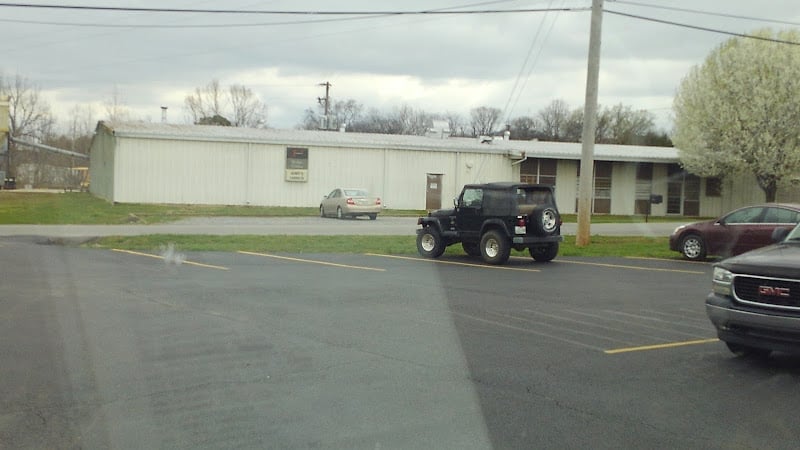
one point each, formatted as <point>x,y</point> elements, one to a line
<point>326,101</point>
<point>586,188</point>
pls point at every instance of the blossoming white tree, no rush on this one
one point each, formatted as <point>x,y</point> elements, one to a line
<point>739,112</point>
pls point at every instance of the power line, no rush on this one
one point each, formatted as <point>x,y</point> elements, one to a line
<point>708,13</point>
<point>696,27</point>
<point>175,26</point>
<point>282,12</point>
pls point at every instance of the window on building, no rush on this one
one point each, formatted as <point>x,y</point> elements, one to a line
<point>713,187</point>
<point>539,171</point>
<point>602,187</point>
<point>644,187</point>
<point>601,202</point>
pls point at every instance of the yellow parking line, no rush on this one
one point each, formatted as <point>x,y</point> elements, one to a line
<point>454,263</point>
<point>311,261</point>
<point>659,346</point>
<point>149,255</point>
<point>620,266</point>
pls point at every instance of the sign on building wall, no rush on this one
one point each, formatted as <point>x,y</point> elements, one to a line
<point>296,164</point>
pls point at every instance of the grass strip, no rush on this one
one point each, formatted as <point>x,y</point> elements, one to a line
<point>647,247</point>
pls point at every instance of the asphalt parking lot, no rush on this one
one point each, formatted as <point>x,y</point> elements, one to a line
<point>113,349</point>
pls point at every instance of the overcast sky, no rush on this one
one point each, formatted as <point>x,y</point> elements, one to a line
<point>518,62</point>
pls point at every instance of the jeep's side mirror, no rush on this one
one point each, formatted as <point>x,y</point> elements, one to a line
<point>779,234</point>
<point>455,202</point>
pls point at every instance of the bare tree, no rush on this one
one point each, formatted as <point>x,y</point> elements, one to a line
<point>207,101</point>
<point>553,118</point>
<point>483,120</point>
<point>29,114</point>
<point>345,112</point>
<point>213,105</point>
<point>80,128</point>
<point>115,108</point>
<point>524,128</point>
<point>456,124</point>
<point>248,110</point>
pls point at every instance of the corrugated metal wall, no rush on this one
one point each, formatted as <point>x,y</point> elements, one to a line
<point>229,173</point>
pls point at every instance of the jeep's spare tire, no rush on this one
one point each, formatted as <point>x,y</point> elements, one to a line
<point>545,220</point>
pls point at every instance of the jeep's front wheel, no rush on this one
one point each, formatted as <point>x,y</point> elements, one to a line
<point>495,248</point>
<point>429,243</point>
<point>544,253</point>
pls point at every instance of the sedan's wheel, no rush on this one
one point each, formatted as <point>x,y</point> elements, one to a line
<point>693,247</point>
<point>494,247</point>
<point>429,243</point>
<point>339,214</point>
<point>544,254</point>
<point>321,211</point>
<point>744,351</point>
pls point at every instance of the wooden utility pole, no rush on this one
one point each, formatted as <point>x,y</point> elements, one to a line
<point>326,101</point>
<point>586,187</point>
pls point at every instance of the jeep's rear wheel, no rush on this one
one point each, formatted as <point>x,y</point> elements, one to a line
<point>544,253</point>
<point>429,243</point>
<point>495,248</point>
<point>471,248</point>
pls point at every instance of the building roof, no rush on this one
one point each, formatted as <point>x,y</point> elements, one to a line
<point>513,148</point>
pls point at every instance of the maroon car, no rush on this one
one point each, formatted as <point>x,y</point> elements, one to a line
<point>738,231</point>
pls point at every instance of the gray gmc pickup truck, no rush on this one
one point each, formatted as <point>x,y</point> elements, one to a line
<point>755,299</point>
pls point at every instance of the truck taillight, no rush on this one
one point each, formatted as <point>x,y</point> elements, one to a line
<point>350,201</point>
<point>378,201</point>
<point>520,227</point>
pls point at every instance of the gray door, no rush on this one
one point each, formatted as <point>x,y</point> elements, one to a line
<point>433,192</point>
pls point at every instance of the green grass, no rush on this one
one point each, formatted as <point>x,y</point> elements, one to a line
<point>82,208</point>
<point>652,247</point>
<point>76,208</point>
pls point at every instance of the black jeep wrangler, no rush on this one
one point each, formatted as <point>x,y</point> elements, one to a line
<point>491,219</point>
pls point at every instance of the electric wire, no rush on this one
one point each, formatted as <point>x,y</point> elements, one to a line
<point>697,27</point>
<point>446,11</point>
<point>708,13</point>
<point>524,64</point>
<point>533,65</point>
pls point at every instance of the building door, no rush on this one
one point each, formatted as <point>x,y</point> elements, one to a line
<point>433,191</point>
<point>683,192</point>
<point>644,187</point>
<point>691,195</point>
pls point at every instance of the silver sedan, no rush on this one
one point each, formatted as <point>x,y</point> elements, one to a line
<point>350,202</point>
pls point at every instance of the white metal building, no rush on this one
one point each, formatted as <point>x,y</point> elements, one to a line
<point>190,164</point>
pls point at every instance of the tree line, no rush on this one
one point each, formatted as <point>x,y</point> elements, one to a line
<point>618,124</point>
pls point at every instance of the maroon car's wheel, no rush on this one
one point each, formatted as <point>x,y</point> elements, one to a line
<point>693,247</point>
